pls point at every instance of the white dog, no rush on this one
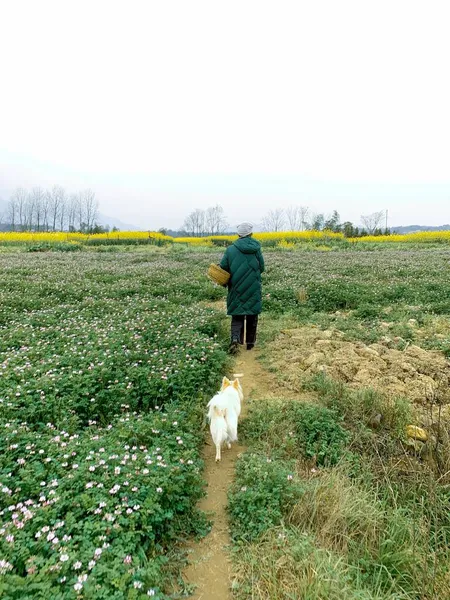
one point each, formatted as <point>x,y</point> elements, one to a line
<point>223,414</point>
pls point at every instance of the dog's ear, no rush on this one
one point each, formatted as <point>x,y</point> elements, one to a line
<point>235,384</point>
<point>225,383</point>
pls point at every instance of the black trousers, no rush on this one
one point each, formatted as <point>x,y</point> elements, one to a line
<point>237,328</point>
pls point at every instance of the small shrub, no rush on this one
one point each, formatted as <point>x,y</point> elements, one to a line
<point>54,247</point>
<point>290,429</point>
<point>319,433</point>
<point>264,491</point>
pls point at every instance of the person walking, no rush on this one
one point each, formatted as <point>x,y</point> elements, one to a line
<point>245,263</point>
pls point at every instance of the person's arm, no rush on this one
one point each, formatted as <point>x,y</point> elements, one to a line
<point>225,263</point>
<point>261,261</point>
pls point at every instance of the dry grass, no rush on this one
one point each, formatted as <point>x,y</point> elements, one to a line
<point>339,512</point>
<point>285,565</point>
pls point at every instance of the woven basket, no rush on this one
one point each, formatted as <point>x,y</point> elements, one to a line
<point>218,275</point>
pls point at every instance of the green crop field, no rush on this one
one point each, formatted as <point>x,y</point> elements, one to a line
<point>107,360</point>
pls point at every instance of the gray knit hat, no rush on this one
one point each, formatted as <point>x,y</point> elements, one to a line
<point>244,229</point>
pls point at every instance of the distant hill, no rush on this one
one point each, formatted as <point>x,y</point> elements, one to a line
<point>416,228</point>
<point>113,222</point>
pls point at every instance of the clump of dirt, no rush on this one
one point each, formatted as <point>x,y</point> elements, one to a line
<point>413,373</point>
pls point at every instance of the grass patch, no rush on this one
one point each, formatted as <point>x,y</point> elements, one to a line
<point>291,429</point>
<point>352,525</point>
<point>362,407</point>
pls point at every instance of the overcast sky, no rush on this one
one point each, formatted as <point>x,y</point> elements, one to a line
<point>165,106</point>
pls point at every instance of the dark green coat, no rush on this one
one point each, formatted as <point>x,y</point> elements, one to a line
<point>245,263</point>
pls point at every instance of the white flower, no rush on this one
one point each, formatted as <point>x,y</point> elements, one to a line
<point>77,565</point>
<point>64,557</point>
<point>159,490</point>
<point>78,586</point>
<point>151,592</point>
<point>137,584</point>
<point>5,566</point>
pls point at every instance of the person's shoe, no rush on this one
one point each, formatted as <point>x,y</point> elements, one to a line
<point>250,346</point>
<point>234,347</point>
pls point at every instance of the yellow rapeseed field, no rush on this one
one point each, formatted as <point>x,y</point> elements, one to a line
<point>284,238</point>
<point>28,237</point>
<point>420,236</point>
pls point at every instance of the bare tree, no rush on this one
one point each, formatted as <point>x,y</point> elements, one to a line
<point>293,218</point>
<point>296,217</point>
<point>62,209</point>
<point>89,208</point>
<point>304,212</point>
<point>215,222</point>
<point>22,199</point>
<point>189,224</point>
<point>37,212</point>
<point>29,210</point>
<point>373,221</point>
<point>46,209</point>
<point>195,222</point>
<point>12,212</point>
<point>80,212</point>
<point>274,220</point>
<point>57,198</point>
<point>72,211</point>
<point>16,209</point>
<point>199,222</point>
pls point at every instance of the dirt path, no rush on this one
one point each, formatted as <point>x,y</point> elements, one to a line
<point>210,569</point>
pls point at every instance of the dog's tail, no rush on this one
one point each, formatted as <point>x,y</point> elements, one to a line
<point>215,408</point>
<point>219,412</point>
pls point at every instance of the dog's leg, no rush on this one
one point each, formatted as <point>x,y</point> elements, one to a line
<point>218,453</point>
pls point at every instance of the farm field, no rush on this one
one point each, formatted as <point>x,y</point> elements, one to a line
<point>106,363</point>
<point>336,497</point>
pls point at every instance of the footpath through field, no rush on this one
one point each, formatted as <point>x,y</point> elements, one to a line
<point>210,567</point>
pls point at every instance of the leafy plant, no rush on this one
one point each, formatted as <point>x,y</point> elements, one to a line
<point>263,492</point>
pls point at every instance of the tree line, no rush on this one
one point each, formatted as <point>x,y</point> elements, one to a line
<point>51,210</point>
<point>212,221</point>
